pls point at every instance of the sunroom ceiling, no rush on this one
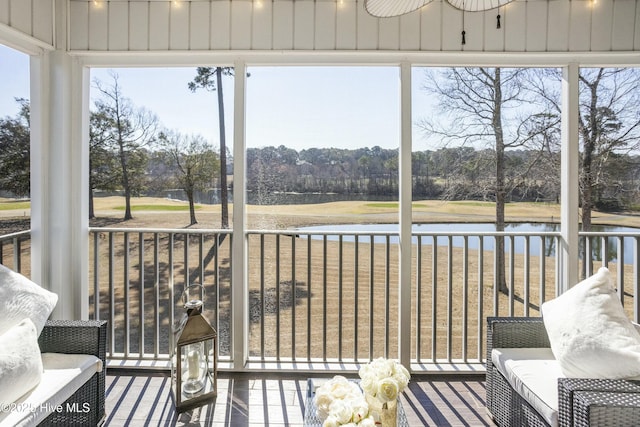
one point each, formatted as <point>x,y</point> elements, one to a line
<point>523,26</point>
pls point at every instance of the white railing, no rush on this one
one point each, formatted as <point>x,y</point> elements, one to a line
<point>15,251</point>
<point>328,297</point>
<point>138,276</point>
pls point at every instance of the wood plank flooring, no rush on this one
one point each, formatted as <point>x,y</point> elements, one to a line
<point>255,400</point>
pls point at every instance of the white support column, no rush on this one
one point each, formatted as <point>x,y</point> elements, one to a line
<point>59,176</point>
<point>404,291</point>
<point>569,213</point>
<point>239,285</point>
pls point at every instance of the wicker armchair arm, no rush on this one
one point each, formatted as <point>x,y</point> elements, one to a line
<point>516,332</point>
<point>74,337</point>
<point>598,402</point>
<point>510,332</point>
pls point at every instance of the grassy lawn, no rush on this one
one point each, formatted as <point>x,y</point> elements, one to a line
<point>152,208</point>
<point>150,212</point>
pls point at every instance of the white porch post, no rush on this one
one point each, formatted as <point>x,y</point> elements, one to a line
<point>59,176</point>
<point>404,291</point>
<point>569,214</point>
<point>239,285</point>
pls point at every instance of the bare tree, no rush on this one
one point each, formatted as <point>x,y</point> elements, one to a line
<point>483,106</point>
<point>204,79</point>
<point>194,160</point>
<point>127,130</point>
<point>609,122</point>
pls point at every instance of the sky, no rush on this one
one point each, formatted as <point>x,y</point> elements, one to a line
<point>296,106</point>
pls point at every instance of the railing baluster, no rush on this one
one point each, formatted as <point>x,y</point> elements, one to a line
<point>587,256</point>
<point>527,274</point>
<point>449,296</point>
<point>340,296</point>
<point>419,299</point>
<point>465,294</point>
<point>156,294</point>
<point>434,300</point>
<point>171,283</point>
<point>480,297</point>
<point>112,293</point>
<point>636,279</point>
<point>277,301</point>
<point>512,276</point>
<point>141,295</point>
<point>324,298</point>
<point>387,294</point>
<point>496,285</point>
<point>216,277</point>
<point>371,293</point>
<point>620,266</point>
<point>187,278</point>
<point>293,297</point>
<point>17,264</point>
<point>127,313</point>
<point>543,271</point>
<point>356,298</point>
<point>96,276</point>
<point>262,297</point>
<point>309,276</point>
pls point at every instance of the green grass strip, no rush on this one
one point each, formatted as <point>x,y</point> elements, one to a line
<point>7,206</point>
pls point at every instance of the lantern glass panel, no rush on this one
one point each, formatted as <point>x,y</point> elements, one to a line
<point>194,368</point>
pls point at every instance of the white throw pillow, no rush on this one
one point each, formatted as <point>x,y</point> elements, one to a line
<point>20,362</point>
<point>590,335</point>
<point>21,298</point>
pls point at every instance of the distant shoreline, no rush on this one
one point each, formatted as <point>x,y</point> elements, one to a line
<point>109,212</point>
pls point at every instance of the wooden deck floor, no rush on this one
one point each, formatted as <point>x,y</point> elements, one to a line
<point>254,400</point>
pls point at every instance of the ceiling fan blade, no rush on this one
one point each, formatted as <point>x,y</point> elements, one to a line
<point>477,5</point>
<point>389,8</point>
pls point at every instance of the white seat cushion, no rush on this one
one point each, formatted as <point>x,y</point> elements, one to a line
<point>63,375</point>
<point>533,373</point>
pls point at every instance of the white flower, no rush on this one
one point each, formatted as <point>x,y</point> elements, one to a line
<point>330,421</point>
<point>368,384</point>
<point>360,409</point>
<point>340,402</point>
<point>384,379</point>
<point>387,390</point>
<point>323,401</point>
<point>368,422</point>
<point>341,409</point>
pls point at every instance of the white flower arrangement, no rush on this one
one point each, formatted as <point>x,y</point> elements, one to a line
<point>384,379</point>
<point>340,402</point>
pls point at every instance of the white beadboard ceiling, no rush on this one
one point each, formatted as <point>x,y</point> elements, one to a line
<point>258,26</point>
<point>525,26</point>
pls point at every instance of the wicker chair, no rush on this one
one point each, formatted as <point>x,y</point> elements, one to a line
<point>78,337</point>
<point>581,401</point>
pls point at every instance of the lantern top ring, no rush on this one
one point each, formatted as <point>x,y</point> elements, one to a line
<point>192,302</point>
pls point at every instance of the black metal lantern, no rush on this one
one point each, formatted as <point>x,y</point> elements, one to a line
<point>194,363</point>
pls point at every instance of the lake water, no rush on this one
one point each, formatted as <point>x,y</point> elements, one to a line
<point>488,242</point>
